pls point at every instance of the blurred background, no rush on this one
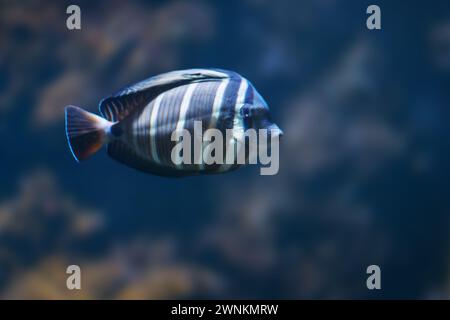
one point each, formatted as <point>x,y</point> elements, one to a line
<point>364,172</point>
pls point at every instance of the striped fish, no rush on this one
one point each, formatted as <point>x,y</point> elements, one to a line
<point>137,123</point>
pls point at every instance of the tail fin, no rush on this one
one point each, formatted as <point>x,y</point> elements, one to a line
<point>86,132</point>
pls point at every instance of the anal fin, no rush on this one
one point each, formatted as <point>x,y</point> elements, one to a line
<point>124,154</point>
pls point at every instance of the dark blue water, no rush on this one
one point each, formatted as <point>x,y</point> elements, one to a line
<point>364,174</point>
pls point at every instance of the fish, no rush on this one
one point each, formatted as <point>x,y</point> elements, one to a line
<point>137,123</point>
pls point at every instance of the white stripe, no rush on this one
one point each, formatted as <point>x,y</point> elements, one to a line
<point>184,108</point>
<point>109,112</point>
<point>153,128</point>
<point>237,127</point>
<point>218,100</point>
<point>185,105</point>
<point>115,109</point>
<point>241,95</point>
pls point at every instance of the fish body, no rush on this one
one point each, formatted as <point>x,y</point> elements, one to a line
<point>138,122</point>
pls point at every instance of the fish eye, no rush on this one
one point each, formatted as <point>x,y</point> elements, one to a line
<point>245,111</point>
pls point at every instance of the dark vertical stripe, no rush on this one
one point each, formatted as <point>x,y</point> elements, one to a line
<point>143,130</point>
<point>167,122</point>
<point>200,109</point>
<point>226,116</point>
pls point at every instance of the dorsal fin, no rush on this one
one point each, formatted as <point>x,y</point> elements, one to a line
<point>119,106</point>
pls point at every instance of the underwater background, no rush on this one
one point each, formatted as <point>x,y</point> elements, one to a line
<point>364,162</point>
